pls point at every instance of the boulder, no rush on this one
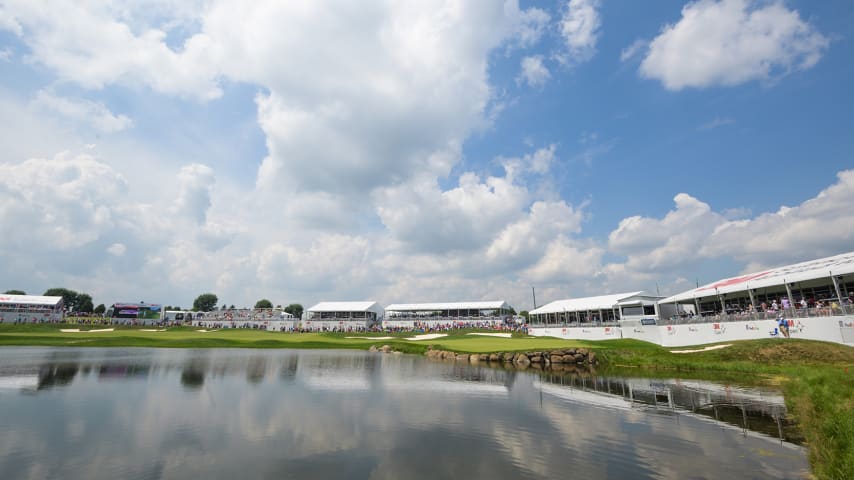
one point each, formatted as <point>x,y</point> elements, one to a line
<point>522,360</point>
<point>536,359</point>
<point>568,359</point>
<point>385,348</point>
<point>591,358</point>
<point>556,358</point>
<point>373,348</point>
<point>494,357</point>
<point>462,357</point>
<point>474,358</point>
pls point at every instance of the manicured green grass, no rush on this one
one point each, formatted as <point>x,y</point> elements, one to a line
<point>817,378</point>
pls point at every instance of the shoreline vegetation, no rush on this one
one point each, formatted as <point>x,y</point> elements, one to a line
<point>817,378</point>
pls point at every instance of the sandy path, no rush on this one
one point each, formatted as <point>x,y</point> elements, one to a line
<point>77,330</point>
<point>428,336</point>
<point>502,335</point>
<point>713,347</point>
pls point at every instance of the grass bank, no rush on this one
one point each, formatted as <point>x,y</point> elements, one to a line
<point>817,378</point>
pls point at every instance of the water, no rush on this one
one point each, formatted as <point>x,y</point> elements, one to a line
<point>154,413</point>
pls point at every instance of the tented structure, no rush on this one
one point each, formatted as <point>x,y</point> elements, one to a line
<point>30,309</point>
<point>602,309</point>
<point>821,282</point>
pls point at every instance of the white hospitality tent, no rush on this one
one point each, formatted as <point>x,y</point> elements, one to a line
<point>828,279</point>
<point>30,308</point>
<point>34,301</point>
<point>494,308</point>
<point>345,311</point>
<point>602,308</point>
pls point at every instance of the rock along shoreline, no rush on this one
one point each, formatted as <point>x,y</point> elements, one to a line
<point>567,356</point>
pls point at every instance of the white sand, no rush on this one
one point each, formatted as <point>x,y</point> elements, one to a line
<point>502,335</point>
<point>713,347</point>
<point>372,338</point>
<point>428,336</point>
<point>152,330</point>
<point>206,331</point>
<point>77,330</point>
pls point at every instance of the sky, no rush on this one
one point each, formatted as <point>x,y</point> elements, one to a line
<point>425,151</point>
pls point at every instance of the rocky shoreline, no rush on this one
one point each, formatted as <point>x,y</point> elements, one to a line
<point>567,356</point>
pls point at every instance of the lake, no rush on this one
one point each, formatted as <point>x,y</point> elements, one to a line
<point>228,413</point>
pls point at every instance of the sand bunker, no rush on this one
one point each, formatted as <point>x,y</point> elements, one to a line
<point>372,338</point>
<point>502,335</point>
<point>428,336</point>
<point>77,330</point>
<point>152,330</point>
<point>713,347</point>
<point>206,331</point>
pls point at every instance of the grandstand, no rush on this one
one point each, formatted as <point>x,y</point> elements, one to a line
<point>449,314</point>
<point>342,316</point>
<point>30,309</point>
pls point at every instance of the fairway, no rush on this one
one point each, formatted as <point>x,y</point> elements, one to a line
<point>187,337</point>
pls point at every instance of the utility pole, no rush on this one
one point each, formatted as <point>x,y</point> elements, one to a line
<point>534,294</point>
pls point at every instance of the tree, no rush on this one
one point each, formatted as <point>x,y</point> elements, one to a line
<point>205,302</point>
<point>294,309</point>
<point>100,309</point>
<point>69,297</point>
<point>15,292</point>
<point>524,313</point>
<point>84,303</point>
<point>263,303</point>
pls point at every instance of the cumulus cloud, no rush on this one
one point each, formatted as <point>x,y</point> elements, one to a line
<point>466,217</point>
<point>57,203</point>
<point>729,42</point>
<point>193,195</point>
<point>533,72</point>
<point>692,232</point>
<point>579,27</point>
<point>94,45</point>
<point>95,114</point>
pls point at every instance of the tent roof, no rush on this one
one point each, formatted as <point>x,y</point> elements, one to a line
<point>346,307</point>
<point>403,307</point>
<point>842,264</point>
<point>7,299</point>
<point>602,302</point>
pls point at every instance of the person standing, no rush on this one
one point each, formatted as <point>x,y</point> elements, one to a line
<point>783,325</point>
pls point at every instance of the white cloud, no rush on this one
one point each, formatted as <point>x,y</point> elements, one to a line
<point>529,25</point>
<point>57,204</point>
<point>117,249</point>
<point>579,27</point>
<point>193,196</point>
<point>693,232</point>
<point>632,50</point>
<point>715,123</point>
<point>533,72</point>
<point>95,114</point>
<point>730,42</point>
<point>815,228</point>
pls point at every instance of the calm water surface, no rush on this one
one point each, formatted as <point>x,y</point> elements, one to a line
<point>155,413</point>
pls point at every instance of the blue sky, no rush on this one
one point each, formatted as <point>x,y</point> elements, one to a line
<point>439,150</point>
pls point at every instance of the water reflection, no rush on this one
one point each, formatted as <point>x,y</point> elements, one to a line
<point>139,413</point>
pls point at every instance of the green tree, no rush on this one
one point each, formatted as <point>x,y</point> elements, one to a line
<point>524,313</point>
<point>263,303</point>
<point>15,292</point>
<point>294,309</point>
<point>69,297</point>
<point>100,309</point>
<point>205,302</point>
<point>84,303</point>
